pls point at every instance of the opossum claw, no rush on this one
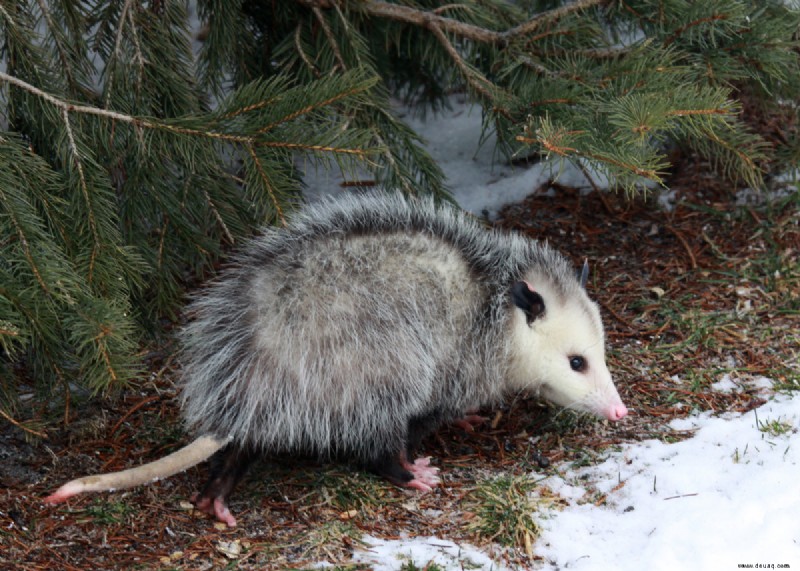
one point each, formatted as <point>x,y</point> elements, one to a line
<point>426,477</point>
<point>216,507</point>
<point>470,421</point>
<point>418,485</point>
<point>223,514</point>
<point>228,466</point>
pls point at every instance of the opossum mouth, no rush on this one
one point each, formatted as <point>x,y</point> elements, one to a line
<point>594,403</point>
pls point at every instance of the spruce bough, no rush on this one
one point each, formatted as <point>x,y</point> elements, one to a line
<point>131,157</point>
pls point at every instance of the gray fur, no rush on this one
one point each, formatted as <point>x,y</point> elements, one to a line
<point>329,335</point>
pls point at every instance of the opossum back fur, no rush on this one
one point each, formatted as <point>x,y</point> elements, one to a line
<point>366,312</point>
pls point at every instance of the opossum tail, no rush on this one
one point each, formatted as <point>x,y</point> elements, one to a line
<point>190,455</point>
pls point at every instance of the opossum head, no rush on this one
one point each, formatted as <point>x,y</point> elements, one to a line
<point>558,347</point>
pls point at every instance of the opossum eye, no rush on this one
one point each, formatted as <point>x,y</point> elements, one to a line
<point>577,363</point>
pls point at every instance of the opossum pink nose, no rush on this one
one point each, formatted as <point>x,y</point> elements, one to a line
<point>617,412</point>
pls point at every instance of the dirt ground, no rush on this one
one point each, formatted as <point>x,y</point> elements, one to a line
<point>708,287</point>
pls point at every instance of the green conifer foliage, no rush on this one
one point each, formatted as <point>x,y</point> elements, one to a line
<point>133,152</point>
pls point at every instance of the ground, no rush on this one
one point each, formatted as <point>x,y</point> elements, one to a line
<point>709,286</point>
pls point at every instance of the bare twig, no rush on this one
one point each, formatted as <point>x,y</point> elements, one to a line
<point>299,47</point>
<point>22,426</point>
<point>130,411</point>
<point>7,16</point>
<point>71,107</point>
<point>685,244</point>
<point>218,217</point>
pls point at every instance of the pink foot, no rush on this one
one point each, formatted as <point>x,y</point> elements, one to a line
<point>425,476</point>
<point>216,508</point>
<point>470,421</point>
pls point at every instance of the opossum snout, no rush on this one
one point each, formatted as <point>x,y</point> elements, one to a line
<point>606,402</point>
<point>616,412</point>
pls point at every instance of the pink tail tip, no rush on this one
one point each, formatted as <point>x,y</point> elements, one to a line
<point>56,497</point>
<point>64,493</point>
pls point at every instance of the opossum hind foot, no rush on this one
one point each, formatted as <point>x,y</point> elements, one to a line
<point>426,477</point>
<point>470,421</point>
<point>228,466</point>
<point>214,507</point>
<point>419,474</point>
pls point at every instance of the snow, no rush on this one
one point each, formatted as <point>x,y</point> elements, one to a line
<point>481,181</point>
<point>391,555</point>
<point>728,495</point>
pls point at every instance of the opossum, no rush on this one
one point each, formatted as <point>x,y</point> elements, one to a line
<point>364,325</point>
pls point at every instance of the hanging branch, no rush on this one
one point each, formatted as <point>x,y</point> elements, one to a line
<point>126,11</point>
<point>244,140</point>
<point>566,152</point>
<point>475,79</point>
<point>73,147</point>
<point>60,48</point>
<point>262,174</point>
<point>431,20</point>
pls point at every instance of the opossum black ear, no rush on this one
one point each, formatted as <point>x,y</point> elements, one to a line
<point>584,275</point>
<point>527,300</point>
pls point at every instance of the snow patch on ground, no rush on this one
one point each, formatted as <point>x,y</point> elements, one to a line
<point>481,179</point>
<point>728,495</point>
<point>728,384</point>
<point>392,554</point>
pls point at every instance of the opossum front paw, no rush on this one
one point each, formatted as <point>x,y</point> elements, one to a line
<point>470,421</point>
<point>215,507</point>
<point>425,476</point>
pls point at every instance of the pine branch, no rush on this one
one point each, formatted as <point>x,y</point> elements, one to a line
<point>25,246</point>
<point>61,48</point>
<point>117,55</point>
<point>303,111</point>
<point>76,157</point>
<point>141,123</point>
<point>559,148</point>
<point>431,20</point>
<point>698,22</point>
<point>475,79</point>
<point>439,26</point>
<point>266,183</point>
<point>109,200</point>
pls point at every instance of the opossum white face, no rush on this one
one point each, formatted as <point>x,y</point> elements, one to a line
<point>558,350</point>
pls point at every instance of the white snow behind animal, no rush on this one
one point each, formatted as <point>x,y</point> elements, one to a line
<point>364,325</point>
